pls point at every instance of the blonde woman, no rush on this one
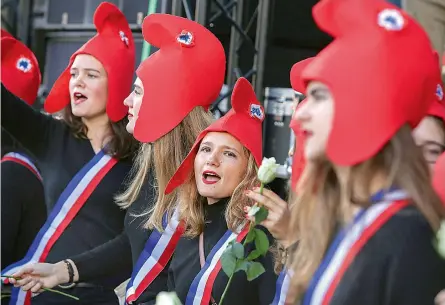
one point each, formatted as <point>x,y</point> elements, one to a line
<point>220,168</point>
<point>366,213</point>
<point>160,87</point>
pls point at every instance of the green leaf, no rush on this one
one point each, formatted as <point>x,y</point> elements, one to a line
<point>242,265</point>
<point>238,250</point>
<point>254,270</point>
<point>261,215</point>
<point>250,236</point>
<point>228,262</point>
<point>253,255</point>
<point>261,242</point>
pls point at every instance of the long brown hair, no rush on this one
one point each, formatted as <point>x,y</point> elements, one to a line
<point>320,206</point>
<point>121,145</point>
<point>191,203</point>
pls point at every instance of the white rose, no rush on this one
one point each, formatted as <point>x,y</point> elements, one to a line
<point>253,210</point>
<point>441,239</point>
<point>267,170</point>
<point>167,298</point>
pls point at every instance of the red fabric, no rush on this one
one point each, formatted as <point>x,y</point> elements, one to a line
<point>439,177</point>
<point>295,75</point>
<point>298,159</point>
<point>113,46</point>
<point>243,121</point>
<point>20,72</point>
<point>374,73</point>
<point>5,34</point>
<point>437,108</point>
<point>178,77</point>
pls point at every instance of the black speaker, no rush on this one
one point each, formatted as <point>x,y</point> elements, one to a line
<point>278,138</point>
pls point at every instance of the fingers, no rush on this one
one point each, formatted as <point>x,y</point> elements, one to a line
<point>37,287</point>
<point>30,285</point>
<point>262,200</point>
<point>440,298</point>
<point>272,196</point>
<point>26,270</point>
<point>23,281</point>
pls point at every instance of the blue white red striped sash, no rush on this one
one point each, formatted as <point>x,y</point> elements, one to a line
<point>157,252</point>
<point>68,205</point>
<point>348,243</point>
<point>23,160</point>
<point>201,288</point>
<point>282,287</point>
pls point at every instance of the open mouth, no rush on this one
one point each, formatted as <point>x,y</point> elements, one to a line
<point>79,98</point>
<point>210,177</point>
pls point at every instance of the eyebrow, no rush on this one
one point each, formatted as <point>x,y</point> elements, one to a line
<point>224,146</point>
<point>87,69</point>
<point>318,90</point>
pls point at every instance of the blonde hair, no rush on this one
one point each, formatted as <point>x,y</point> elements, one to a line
<point>162,158</point>
<point>319,207</point>
<point>191,203</point>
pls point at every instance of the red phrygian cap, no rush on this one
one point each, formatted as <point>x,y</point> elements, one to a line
<point>113,46</point>
<point>298,159</point>
<point>374,73</point>
<point>187,71</point>
<point>20,72</point>
<point>243,121</point>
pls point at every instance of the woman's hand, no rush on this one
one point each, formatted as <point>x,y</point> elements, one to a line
<point>36,276</point>
<point>277,221</point>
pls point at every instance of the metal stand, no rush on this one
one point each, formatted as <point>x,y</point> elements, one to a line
<point>234,11</point>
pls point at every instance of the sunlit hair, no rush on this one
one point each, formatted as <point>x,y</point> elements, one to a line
<point>122,145</point>
<point>192,204</point>
<point>320,206</point>
<point>162,158</point>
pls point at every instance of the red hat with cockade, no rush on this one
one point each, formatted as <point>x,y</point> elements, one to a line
<point>113,46</point>
<point>20,72</point>
<point>374,73</point>
<point>187,71</point>
<point>243,121</point>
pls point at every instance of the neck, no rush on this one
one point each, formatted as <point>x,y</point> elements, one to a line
<point>99,131</point>
<point>211,201</point>
<point>377,182</point>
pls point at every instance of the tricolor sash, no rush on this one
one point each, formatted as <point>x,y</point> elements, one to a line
<point>282,287</point>
<point>201,288</point>
<point>22,159</point>
<point>66,208</point>
<point>348,243</point>
<point>157,252</point>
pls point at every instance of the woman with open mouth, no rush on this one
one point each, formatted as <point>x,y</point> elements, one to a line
<point>83,160</point>
<point>212,180</point>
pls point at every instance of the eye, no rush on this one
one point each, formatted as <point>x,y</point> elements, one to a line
<point>92,75</point>
<point>137,91</point>
<point>73,74</point>
<point>230,154</point>
<point>204,149</point>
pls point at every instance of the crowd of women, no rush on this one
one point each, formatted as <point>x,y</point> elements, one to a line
<point>135,189</point>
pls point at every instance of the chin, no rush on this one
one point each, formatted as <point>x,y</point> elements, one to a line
<point>314,155</point>
<point>130,127</point>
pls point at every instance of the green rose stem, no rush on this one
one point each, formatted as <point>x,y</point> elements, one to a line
<point>230,278</point>
<point>46,289</point>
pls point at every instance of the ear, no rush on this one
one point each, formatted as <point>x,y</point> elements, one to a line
<point>109,17</point>
<point>155,30</point>
<point>243,96</point>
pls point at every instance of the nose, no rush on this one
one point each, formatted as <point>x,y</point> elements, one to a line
<point>213,159</point>
<point>79,81</point>
<point>129,101</point>
<point>302,112</point>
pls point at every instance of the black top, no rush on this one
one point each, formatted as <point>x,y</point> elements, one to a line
<point>22,205</point>
<point>60,156</point>
<point>185,266</point>
<point>397,266</point>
